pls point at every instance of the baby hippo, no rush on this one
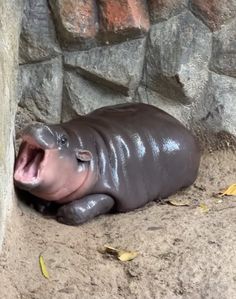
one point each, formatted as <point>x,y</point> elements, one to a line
<point>115,158</point>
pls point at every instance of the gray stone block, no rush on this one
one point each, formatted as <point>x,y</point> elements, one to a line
<point>219,107</point>
<point>22,119</point>
<point>118,67</point>
<point>176,109</point>
<point>82,96</point>
<point>38,38</point>
<point>41,90</point>
<point>177,58</point>
<point>224,50</point>
<point>9,43</point>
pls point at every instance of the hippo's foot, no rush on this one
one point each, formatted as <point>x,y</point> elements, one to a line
<point>82,210</point>
<point>45,207</point>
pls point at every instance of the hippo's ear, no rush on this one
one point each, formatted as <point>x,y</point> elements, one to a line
<point>83,155</point>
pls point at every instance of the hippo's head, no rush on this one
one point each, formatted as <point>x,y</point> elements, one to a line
<point>49,165</point>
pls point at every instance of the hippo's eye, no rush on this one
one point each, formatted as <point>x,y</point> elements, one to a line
<point>62,140</point>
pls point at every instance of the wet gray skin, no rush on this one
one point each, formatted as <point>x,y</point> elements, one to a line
<point>115,158</point>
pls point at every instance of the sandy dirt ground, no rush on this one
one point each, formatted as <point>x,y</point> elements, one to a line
<point>184,251</point>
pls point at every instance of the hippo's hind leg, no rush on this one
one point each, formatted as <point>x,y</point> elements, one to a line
<point>88,207</point>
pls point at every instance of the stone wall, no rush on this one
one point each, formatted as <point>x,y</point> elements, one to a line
<point>9,35</point>
<point>179,55</point>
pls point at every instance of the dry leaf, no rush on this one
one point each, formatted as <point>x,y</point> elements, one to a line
<point>204,208</point>
<point>43,267</point>
<point>125,256</point>
<point>230,191</point>
<point>179,202</point>
<point>109,249</point>
<point>122,255</point>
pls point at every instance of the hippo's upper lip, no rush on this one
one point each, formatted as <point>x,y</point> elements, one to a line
<point>28,163</point>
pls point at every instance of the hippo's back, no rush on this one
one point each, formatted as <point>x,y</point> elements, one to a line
<point>143,153</point>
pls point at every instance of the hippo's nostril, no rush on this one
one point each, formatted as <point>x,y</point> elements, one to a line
<point>40,134</point>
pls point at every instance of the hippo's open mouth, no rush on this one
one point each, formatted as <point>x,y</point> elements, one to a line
<point>29,163</point>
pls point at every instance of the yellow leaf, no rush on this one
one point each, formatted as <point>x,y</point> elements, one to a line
<point>204,208</point>
<point>122,255</point>
<point>179,202</point>
<point>110,249</point>
<point>125,256</point>
<point>43,267</point>
<point>230,191</point>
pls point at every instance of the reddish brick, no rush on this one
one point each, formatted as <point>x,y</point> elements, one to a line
<point>123,18</point>
<point>164,9</point>
<point>214,13</point>
<point>76,20</point>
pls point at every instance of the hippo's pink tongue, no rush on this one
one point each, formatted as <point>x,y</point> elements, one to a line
<point>28,163</point>
<point>31,168</point>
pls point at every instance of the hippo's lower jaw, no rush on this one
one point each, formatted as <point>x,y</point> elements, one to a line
<point>28,165</point>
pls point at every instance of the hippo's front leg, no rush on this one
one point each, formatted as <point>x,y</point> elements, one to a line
<point>88,207</point>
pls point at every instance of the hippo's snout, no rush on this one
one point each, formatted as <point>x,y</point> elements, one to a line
<point>37,139</point>
<point>40,134</point>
